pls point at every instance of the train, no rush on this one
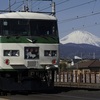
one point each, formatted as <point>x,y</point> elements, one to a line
<point>29,50</point>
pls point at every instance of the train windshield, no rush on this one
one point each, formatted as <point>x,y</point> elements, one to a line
<point>27,27</point>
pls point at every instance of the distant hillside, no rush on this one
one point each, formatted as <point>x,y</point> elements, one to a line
<point>82,50</point>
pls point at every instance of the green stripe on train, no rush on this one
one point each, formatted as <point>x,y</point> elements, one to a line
<point>23,39</point>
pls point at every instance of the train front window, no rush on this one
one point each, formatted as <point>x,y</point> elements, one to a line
<point>43,27</point>
<point>28,27</point>
<point>19,27</point>
<point>16,27</point>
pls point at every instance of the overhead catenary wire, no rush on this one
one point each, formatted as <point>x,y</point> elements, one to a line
<point>78,17</point>
<point>75,6</point>
<point>94,6</point>
<point>81,27</point>
<point>11,5</point>
<point>56,5</point>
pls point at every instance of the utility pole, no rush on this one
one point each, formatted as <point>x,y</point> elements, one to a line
<point>53,8</point>
<point>9,5</point>
<point>25,8</point>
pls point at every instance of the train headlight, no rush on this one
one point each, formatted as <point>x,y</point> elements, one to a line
<point>54,53</point>
<point>50,53</point>
<point>11,52</point>
<point>7,52</point>
<point>15,52</point>
<point>7,61</point>
<point>47,53</point>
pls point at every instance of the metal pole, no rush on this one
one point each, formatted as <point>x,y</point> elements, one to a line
<point>53,8</point>
<point>9,5</point>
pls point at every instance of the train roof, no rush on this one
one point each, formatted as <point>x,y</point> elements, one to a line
<point>27,15</point>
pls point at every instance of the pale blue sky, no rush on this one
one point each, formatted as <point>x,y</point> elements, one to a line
<point>72,14</point>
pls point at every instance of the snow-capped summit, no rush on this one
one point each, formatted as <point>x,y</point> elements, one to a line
<point>81,37</point>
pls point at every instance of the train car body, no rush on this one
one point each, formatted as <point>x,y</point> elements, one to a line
<point>29,46</point>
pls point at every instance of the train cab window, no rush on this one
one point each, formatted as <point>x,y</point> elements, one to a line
<point>19,27</point>
<point>5,32</point>
<point>48,33</point>
<point>43,27</point>
<point>23,22</point>
<point>28,27</point>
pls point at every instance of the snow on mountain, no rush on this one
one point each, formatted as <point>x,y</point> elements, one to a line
<point>81,37</point>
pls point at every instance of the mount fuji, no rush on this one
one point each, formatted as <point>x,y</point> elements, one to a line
<point>80,43</point>
<point>81,37</point>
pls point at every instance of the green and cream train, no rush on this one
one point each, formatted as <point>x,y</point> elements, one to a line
<point>29,50</point>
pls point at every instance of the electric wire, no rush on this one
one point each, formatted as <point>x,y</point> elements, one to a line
<point>78,17</point>
<point>56,5</point>
<point>11,5</point>
<point>76,6</point>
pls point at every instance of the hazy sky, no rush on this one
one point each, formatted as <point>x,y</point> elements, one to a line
<point>71,14</point>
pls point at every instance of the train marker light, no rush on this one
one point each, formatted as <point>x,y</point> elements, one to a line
<point>54,61</point>
<point>7,61</point>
